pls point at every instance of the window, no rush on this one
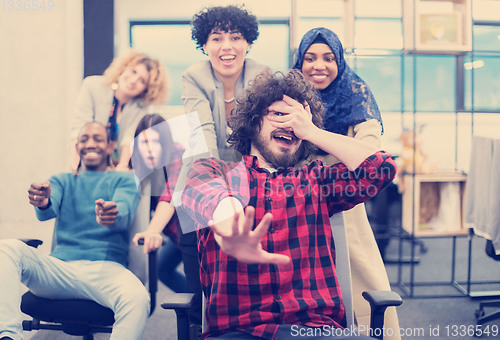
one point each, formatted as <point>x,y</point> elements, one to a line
<point>382,73</point>
<point>481,70</point>
<point>485,70</point>
<point>372,33</point>
<point>170,42</point>
<point>435,89</point>
<point>486,37</point>
<point>378,8</point>
<point>378,33</point>
<point>320,13</point>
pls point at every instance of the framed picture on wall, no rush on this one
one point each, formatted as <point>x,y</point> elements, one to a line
<point>439,31</point>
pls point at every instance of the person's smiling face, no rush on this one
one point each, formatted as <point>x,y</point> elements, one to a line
<point>93,147</point>
<point>134,80</point>
<point>319,65</point>
<point>227,52</point>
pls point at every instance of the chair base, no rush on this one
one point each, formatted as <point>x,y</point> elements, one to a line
<point>88,334</point>
<point>73,317</point>
<point>482,317</point>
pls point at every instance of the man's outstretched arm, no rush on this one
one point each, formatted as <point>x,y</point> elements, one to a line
<point>233,232</point>
<point>214,197</point>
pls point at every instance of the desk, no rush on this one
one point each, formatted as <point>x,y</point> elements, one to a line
<point>433,204</point>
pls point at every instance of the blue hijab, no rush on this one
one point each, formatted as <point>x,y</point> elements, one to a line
<point>347,100</point>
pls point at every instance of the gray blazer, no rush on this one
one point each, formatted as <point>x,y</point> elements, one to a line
<point>94,102</point>
<point>204,93</point>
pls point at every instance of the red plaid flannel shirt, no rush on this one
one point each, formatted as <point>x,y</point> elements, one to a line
<point>172,228</point>
<point>256,298</point>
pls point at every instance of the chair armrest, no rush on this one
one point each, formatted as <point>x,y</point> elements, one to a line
<point>379,301</point>
<point>178,301</point>
<point>152,277</point>
<point>32,242</point>
<point>181,303</point>
<point>380,298</point>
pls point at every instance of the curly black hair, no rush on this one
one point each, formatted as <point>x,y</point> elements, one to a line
<point>226,19</point>
<point>265,89</point>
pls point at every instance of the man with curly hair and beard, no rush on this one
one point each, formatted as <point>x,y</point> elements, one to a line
<point>267,257</point>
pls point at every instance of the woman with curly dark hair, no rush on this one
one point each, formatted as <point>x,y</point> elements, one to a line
<point>225,34</point>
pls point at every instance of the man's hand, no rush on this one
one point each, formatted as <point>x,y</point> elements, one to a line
<point>152,240</point>
<point>239,241</point>
<point>105,212</point>
<point>39,194</point>
<point>289,114</point>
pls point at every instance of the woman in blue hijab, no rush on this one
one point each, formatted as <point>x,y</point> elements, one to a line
<point>350,109</point>
<point>347,98</point>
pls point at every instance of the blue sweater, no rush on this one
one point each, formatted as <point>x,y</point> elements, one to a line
<point>78,235</point>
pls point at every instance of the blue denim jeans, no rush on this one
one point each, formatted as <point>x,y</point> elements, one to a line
<point>169,257</point>
<point>108,283</point>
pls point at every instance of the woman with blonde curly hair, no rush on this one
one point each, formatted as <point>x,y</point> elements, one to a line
<point>119,99</point>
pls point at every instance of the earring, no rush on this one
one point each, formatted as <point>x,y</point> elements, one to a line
<point>114,86</point>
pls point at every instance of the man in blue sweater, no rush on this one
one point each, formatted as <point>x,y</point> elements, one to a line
<point>93,210</point>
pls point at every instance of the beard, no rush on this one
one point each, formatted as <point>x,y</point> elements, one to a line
<point>279,161</point>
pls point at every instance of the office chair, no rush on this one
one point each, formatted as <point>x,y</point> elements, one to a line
<point>481,316</point>
<point>76,316</point>
<point>85,317</point>
<point>378,300</point>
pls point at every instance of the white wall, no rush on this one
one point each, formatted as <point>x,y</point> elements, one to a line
<point>41,68</point>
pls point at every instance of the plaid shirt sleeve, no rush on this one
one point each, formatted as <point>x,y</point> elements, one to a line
<point>344,189</point>
<point>172,176</point>
<point>256,298</point>
<point>172,227</point>
<point>209,182</point>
